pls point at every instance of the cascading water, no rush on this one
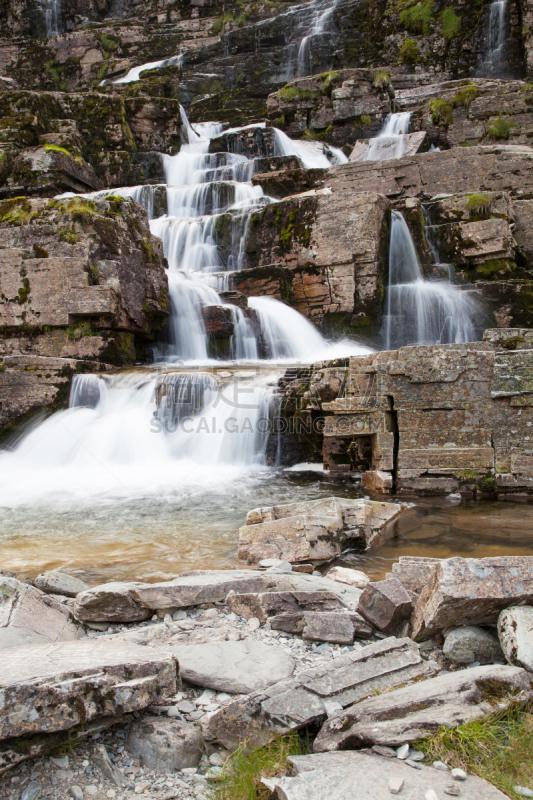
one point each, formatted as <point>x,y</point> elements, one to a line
<point>320,22</point>
<point>392,139</point>
<point>419,311</point>
<point>494,64</point>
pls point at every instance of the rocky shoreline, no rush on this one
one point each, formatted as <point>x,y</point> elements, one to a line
<point>130,690</point>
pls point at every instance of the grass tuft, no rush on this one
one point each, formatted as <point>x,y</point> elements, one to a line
<point>451,23</point>
<point>409,52</point>
<point>381,79</point>
<point>441,112</point>
<point>241,777</point>
<point>499,128</point>
<point>498,748</point>
<point>417,19</point>
<point>479,204</point>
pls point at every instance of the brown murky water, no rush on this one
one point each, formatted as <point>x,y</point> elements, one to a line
<point>156,538</point>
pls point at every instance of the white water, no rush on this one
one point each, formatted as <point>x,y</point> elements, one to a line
<point>494,63</point>
<point>419,311</point>
<point>312,154</point>
<point>134,74</point>
<point>319,24</point>
<point>392,139</point>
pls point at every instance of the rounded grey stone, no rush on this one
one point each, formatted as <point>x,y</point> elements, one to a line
<point>470,643</point>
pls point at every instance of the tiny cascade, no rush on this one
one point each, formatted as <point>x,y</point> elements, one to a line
<point>319,24</point>
<point>51,11</point>
<point>313,155</point>
<point>418,311</point>
<point>392,140</point>
<point>134,73</point>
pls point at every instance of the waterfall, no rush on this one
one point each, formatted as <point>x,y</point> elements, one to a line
<point>494,64</point>
<point>392,140</point>
<point>134,73</point>
<point>419,311</point>
<point>318,26</point>
<point>52,17</point>
<point>312,154</point>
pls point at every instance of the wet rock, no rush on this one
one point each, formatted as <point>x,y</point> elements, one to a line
<point>405,715</point>
<point>73,683</point>
<point>132,602</point>
<point>471,592</point>
<point>469,643</point>
<point>55,582</point>
<point>29,616</point>
<point>413,143</point>
<point>268,604</point>
<point>165,745</point>
<point>313,530</point>
<point>334,775</point>
<point>515,629</point>
<point>385,604</point>
<point>234,667</point>
<point>338,628</point>
<point>353,577</point>
<point>296,703</point>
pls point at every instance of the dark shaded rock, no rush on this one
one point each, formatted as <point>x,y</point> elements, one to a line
<point>385,604</point>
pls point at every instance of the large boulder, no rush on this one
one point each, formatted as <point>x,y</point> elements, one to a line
<point>313,530</point>
<point>515,629</point>
<point>29,616</point>
<point>323,776</point>
<point>132,602</point>
<point>302,700</point>
<point>53,688</point>
<point>466,591</point>
<point>410,713</point>
<point>165,745</point>
<point>234,667</point>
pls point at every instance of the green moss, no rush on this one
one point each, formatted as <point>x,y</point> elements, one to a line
<point>24,291</point>
<point>75,332</point>
<point>289,93</point>
<point>479,204</point>
<point>494,267</point>
<point>68,236</point>
<point>441,112</point>
<point>409,52</point>
<point>110,43</point>
<point>500,128</point>
<point>147,249</point>
<point>381,79</point>
<point>451,23</point>
<point>16,211</point>
<point>464,97</point>
<point>418,18</point>
<point>219,25</point>
<point>40,252</point>
<point>81,210</point>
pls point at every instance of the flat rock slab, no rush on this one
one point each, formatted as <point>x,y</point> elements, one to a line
<point>54,687</point>
<point>410,713</point>
<point>268,604</point>
<point>313,530</point>
<point>324,626</point>
<point>234,667</point>
<point>29,616</point>
<point>55,582</point>
<point>329,776</point>
<point>300,701</point>
<point>133,602</point>
<point>515,629</point>
<point>468,591</point>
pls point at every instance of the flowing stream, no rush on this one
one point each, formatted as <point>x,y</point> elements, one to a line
<point>419,311</point>
<point>392,139</point>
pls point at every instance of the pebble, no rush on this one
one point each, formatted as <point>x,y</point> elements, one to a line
<point>62,761</point>
<point>181,614</point>
<point>460,775</point>
<point>431,795</point>
<point>416,755</point>
<point>381,750</point>
<point>523,791</point>
<point>91,790</point>
<point>186,707</point>
<point>402,752</point>
<point>31,791</point>
<point>216,760</point>
<point>453,789</point>
<point>76,792</point>
<point>412,763</point>
<point>253,623</point>
<point>395,784</point>
<point>440,765</point>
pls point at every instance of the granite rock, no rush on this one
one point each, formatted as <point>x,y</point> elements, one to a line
<point>515,629</point>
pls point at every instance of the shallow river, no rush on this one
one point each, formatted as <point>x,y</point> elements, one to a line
<point>155,537</point>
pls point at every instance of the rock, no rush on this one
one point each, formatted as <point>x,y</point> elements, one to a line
<point>412,764</point>
<point>459,774</point>
<point>469,643</point>
<point>29,616</point>
<point>471,592</point>
<point>55,582</point>
<point>165,745</point>
<point>134,602</point>
<point>413,143</point>
<point>353,577</point>
<point>452,789</point>
<point>407,714</point>
<point>396,784</point>
<point>32,791</point>
<point>76,792</point>
<point>269,604</point>
<point>440,765</point>
<point>523,791</point>
<point>385,604</point>
<point>334,775</point>
<point>300,701</point>
<point>313,530</point>
<point>338,628</point>
<point>413,573</point>
<point>402,752</point>
<point>108,769</point>
<point>93,678</point>
<point>234,667</point>
<point>515,629</point>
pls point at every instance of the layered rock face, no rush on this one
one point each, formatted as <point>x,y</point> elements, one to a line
<point>424,419</point>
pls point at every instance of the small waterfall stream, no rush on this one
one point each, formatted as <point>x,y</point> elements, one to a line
<point>418,311</point>
<point>494,64</point>
<point>392,139</point>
